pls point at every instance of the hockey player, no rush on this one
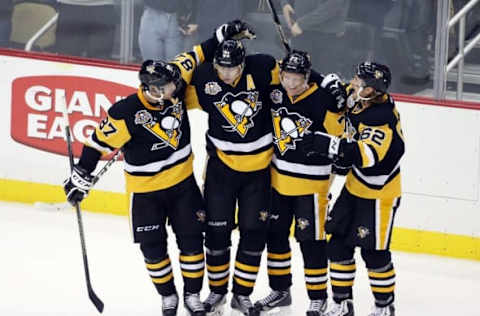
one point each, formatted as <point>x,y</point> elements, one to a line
<point>239,145</point>
<point>363,213</point>
<point>152,129</point>
<point>299,106</point>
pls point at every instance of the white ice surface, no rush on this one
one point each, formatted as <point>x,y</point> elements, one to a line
<point>41,271</point>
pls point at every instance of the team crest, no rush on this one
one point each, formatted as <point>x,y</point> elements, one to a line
<point>167,126</point>
<point>276,96</point>
<point>362,232</point>
<point>239,111</point>
<point>288,128</point>
<point>143,117</point>
<point>302,223</point>
<point>263,216</point>
<point>212,88</point>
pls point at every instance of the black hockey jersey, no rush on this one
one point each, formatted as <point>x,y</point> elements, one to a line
<point>378,133</point>
<point>239,130</point>
<point>293,173</point>
<point>155,140</point>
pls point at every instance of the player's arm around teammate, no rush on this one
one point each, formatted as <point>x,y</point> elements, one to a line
<point>239,145</point>
<point>152,129</point>
<point>300,104</point>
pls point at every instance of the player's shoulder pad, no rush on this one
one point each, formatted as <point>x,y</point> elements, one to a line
<point>204,71</point>
<point>316,77</point>
<point>123,108</point>
<point>260,61</point>
<point>381,113</point>
<point>327,99</point>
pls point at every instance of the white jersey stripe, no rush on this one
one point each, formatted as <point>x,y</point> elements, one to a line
<point>157,166</point>
<point>223,145</point>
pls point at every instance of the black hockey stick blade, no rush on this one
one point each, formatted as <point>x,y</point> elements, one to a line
<point>95,300</point>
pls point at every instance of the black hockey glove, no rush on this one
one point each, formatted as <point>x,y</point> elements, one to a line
<point>234,30</point>
<point>321,144</point>
<point>77,186</point>
<point>335,86</point>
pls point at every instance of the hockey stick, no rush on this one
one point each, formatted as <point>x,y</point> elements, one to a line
<point>91,294</point>
<point>278,25</point>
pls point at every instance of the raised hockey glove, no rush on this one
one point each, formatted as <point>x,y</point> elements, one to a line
<point>321,144</point>
<point>236,29</point>
<point>333,84</point>
<point>77,186</point>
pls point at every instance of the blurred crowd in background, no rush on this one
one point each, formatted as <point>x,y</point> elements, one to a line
<point>337,33</point>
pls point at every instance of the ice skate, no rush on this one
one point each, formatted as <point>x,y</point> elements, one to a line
<point>344,308</point>
<point>273,300</point>
<point>214,304</point>
<point>244,305</point>
<point>317,308</point>
<point>170,305</point>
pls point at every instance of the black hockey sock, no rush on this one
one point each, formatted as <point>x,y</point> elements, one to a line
<point>192,266</point>
<point>218,267</point>
<point>382,283</point>
<point>161,274</point>
<point>342,275</point>
<point>247,265</point>
<point>315,268</point>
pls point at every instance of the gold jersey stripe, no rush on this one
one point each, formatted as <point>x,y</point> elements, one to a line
<point>275,73</point>
<point>193,275</point>
<point>162,180</point>
<point>279,271</point>
<point>218,268</point>
<point>218,282</point>
<point>342,267</point>
<point>289,185</point>
<point>313,87</point>
<point>316,287</point>
<point>391,190</point>
<point>164,279</point>
<point>383,289</point>
<point>194,258</point>
<point>247,163</point>
<point>159,265</point>
<point>341,283</point>
<point>191,98</point>
<point>279,256</point>
<point>244,283</point>
<point>315,271</point>
<point>246,267</point>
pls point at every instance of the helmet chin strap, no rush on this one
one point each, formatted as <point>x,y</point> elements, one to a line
<point>159,100</point>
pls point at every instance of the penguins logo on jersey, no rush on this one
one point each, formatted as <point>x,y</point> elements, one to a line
<point>288,128</point>
<point>239,111</point>
<point>167,126</point>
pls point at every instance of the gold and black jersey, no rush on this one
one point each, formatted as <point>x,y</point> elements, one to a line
<point>293,173</point>
<point>380,146</point>
<point>155,140</point>
<point>239,131</point>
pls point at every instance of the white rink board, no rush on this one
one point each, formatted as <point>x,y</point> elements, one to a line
<point>440,169</point>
